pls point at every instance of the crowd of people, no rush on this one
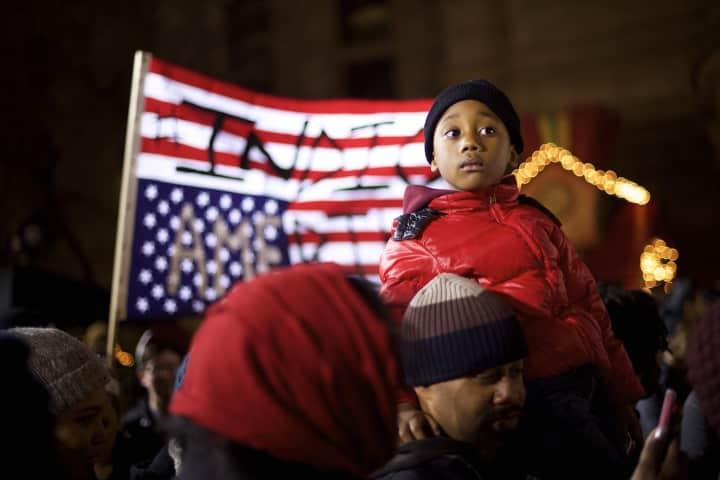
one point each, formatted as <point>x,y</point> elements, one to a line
<point>489,352</point>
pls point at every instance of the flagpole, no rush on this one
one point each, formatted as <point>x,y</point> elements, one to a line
<point>128,190</point>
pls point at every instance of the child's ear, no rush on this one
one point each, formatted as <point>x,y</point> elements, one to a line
<point>514,159</point>
<point>433,164</point>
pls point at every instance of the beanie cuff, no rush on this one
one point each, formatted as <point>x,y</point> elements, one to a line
<point>463,352</point>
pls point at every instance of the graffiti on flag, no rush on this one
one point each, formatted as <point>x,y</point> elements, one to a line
<point>231,183</point>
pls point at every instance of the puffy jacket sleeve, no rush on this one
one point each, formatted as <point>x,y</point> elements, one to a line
<point>405,267</point>
<point>622,383</point>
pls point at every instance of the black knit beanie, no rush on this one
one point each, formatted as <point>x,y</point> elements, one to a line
<point>482,91</point>
<point>454,327</point>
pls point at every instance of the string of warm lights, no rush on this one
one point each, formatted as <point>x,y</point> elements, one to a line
<point>657,263</point>
<point>607,181</point>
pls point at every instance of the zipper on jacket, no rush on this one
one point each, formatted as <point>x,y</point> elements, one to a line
<point>494,208</point>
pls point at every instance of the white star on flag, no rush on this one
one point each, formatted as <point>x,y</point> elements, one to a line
<point>145,277</point>
<point>148,248</point>
<point>162,235</point>
<point>163,207</point>
<point>203,199</point>
<point>177,195</point>
<point>210,240</point>
<point>185,294</point>
<point>225,202</point>
<point>235,216</point>
<point>149,221</point>
<point>151,192</point>
<point>158,291</point>
<point>235,269</point>
<point>161,263</point>
<point>142,304</point>
<point>211,214</point>
<point>211,267</point>
<point>170,306</point>
<point>248,204</point>
<point>271,232</point>
<point>187,265</point>
<point>271,207</point>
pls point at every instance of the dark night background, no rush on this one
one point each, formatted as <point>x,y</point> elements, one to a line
<point>655,65</point>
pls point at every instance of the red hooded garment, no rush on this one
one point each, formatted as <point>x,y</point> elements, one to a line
<point>296,364</point>
<point>516,250</point>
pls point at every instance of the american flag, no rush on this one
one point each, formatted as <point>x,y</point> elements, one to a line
<point>230,183</point>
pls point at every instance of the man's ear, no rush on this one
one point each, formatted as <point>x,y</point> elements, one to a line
<point>423,394</point>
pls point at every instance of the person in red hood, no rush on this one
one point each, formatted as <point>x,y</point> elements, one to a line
<point>483,229</point>
<point>290,375</point>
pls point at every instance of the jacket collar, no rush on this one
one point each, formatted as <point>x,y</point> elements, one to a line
<point>413,454</point>
<point>504,192</point>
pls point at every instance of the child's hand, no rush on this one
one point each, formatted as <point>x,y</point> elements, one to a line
<point>414,424</point>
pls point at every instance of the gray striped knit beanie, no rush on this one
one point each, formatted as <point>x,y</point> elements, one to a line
<point>65,366</point>
<point>453,327</point>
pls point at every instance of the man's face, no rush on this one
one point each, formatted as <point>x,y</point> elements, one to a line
<point>471,147</point>
<point>478,408</point>
<point>82,431</point>
<point>159,373</point>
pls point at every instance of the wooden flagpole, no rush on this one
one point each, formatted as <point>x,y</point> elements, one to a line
<point>126,209</point>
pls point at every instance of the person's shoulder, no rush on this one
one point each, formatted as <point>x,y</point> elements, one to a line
<point>534,207</point>
<point>434,458</point>
<point>441,468</point>
<point>138,417</point>
<point>410,226</point>
<point>408,474</point>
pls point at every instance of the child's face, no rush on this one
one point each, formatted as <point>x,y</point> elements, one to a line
<point>471,147</point>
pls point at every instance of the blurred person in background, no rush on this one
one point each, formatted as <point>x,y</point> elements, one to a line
<point>157,360</point>
<point>95,337</point>
<point>637,324</point>
<point>75,379</point>
<point>701,414</point>
<point>27,423</point>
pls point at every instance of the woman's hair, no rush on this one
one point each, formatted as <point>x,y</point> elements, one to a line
<point>636,322</point>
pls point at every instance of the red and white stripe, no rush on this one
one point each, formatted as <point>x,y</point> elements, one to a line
<point>329,218</point>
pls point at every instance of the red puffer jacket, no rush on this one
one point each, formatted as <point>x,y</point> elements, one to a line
<point>516,250</point>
